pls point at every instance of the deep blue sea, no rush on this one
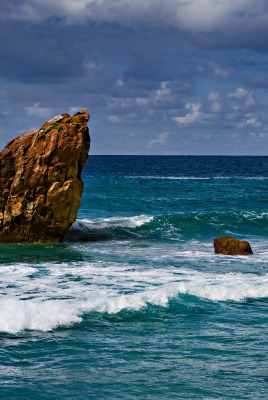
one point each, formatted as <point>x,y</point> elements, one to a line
<point>134,304</point>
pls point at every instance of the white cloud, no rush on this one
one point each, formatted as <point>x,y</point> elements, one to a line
<point>141,101</point>
<point>258,135</point>
<point>234,111</point>
<point>163,92</point>
<point>160,139</point>
<point>93,66</point>
<point>239,93</point>
<point>213,96</point>
<point>242,98</point>
<point>219,71</point>
<point>161,95</point>
<point>36,111</point>
<point>195,114</point>
<point>74,109</point>
<point>253,121</point>
<point>113,119</point>
<point>250,121</point>
<point>215,105</point>
<point>119,82</point>
<point>116,103</point>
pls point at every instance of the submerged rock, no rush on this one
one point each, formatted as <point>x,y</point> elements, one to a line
<point>40,180</point>
<point>228,245</point>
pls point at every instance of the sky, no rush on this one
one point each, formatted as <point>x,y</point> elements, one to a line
<point>173,77</point>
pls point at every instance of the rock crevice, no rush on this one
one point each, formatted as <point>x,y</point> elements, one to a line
<point>40,180</point>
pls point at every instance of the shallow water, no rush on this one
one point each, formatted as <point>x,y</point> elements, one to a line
<point>134,303</point>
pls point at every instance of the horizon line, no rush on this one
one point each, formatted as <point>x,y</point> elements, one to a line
<point>178,155</point>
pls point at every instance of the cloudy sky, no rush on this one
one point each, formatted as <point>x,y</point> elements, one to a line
<point>158,77</point>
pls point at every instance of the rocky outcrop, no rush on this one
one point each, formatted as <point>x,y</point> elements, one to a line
<point>228,245</point>
<point>40,180</point>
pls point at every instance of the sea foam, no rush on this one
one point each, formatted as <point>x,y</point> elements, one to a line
<point>65,293</point>
<point>112,222</point>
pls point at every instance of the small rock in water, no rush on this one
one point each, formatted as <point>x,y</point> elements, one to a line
<point>228,245</point>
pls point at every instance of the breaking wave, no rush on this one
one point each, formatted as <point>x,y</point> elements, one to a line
<point>112,222</point>
<point>104,228</point>
<point>258,178</point>
<point>58,298</point>
<point>164,226</point>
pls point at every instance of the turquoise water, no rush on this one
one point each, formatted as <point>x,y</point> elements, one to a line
<point>134,303</point>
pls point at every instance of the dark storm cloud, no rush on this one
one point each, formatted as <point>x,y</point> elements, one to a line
<point>150,67</point>
<point>156,76</point>
<point>37,53</point>
<point>221,23</point>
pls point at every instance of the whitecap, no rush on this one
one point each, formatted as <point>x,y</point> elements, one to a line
<point>112,222</point>
<point>168,177</point>
<point>67,292</point>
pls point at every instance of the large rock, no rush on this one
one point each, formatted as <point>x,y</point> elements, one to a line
<point>40,180</point>
<point>228,245</point>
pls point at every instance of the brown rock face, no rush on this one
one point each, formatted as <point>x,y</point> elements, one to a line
<point>40,180</point>
<point>228,245</point>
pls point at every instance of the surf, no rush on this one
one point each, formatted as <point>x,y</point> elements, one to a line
<point>62,295</point>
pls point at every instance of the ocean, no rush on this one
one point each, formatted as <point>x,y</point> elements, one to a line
<point>134,304</point>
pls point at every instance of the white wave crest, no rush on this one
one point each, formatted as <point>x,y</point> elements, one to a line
<point>18,315</point>
<point>257,178</point>
<point>176,178</point>
<point>112,222</point>
<point>254,215</point>
<point>58,298</point>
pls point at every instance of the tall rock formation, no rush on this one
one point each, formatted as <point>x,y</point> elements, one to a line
<point>40,180</point>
